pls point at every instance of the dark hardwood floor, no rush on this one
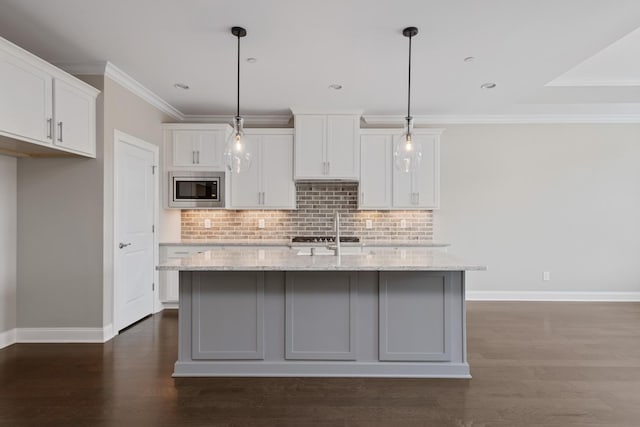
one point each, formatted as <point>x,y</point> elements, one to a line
<point>533,364</point>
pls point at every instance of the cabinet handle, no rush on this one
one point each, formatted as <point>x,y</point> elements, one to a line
<point>193,157</point>
<point>198,156</point>
<point>417,198</point>
<point>263,198</point>
<point>50,128</point>
<point>60,129</point>
<point>362,197</point>
<point>328,168</point>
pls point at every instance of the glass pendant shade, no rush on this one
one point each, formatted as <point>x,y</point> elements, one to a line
<point>236,154</point>
<point>407,151</point>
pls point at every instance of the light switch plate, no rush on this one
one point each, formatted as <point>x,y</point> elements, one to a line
<point>403,223</point>
<point>546,276</point>
<point>207,223</point>
<point>261,223</point>
<point>369,224</point>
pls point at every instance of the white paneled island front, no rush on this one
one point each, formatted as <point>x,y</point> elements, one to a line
<point>372,312</point>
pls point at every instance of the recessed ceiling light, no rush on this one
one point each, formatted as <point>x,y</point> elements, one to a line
<point>469,59</point>
<point>252,60</point>
<point>181,86</point>
<point>335,86</point>
<point>488,85</point>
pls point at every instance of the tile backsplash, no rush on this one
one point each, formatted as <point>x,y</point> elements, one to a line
<point>316,202</point>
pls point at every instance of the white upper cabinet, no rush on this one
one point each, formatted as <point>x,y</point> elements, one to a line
<point>327,146</point>
<point>382,186</point>
<point>195,146</point>
<point>25,100</point>
<point>42,105</point>
<point>376,171</point>
<point>268,184</point>
<point>75,118</point>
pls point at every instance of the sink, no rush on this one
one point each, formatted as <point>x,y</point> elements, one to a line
<point>345,250</point>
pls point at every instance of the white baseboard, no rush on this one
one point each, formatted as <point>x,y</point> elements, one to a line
<point>64,335</point>
<point>552,296</point>
<point>170,305</point>
<point>7,338</point>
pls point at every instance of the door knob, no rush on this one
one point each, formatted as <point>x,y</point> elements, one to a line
<point>124,245</point>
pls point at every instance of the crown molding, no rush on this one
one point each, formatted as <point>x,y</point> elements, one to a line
<point>107,69</point>
<point>249,120</point>
<point>128,82</point>
<point>322,111</point>
<point>504,119</point>
<point>592,83</point>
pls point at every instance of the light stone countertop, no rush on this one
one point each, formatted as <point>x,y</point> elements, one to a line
<point>288,259</point>
<point>287,242</point>
<point>248,242</point>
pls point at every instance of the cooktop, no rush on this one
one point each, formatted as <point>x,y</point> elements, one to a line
<point>324,239</point>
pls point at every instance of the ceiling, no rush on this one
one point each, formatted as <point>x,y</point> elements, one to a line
<point>539,53</point>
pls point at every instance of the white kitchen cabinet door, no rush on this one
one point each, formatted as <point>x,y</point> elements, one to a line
<point>185,144</point>
<point>25,100</point>
<point>210,149</point>
<point>245,186</point>
<point>343,147</point>
<point>310,146</point>
<point>420,189</point>
<point>327,147</point>
<point>268,184</point>
<point>426,180</point>
<point>75,116</point>
<point>376,172</point>
<point>198,148</point>
<point>278,187</point>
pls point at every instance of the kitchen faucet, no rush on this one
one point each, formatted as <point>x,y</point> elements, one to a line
<point>336,246</point>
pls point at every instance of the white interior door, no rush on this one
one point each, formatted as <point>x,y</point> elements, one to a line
<point>135,211</point>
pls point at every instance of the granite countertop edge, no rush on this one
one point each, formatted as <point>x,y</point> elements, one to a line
<point>287,242</point>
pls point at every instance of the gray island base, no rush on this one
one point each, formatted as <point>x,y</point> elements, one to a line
<point>356,316</point>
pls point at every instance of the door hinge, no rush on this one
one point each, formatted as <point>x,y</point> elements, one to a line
<point>153,286</point>
<point>153,228</point>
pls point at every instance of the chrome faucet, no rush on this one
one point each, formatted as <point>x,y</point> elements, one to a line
<point>336,246</point>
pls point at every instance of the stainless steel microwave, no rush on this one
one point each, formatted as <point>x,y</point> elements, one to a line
<point>196,190</point>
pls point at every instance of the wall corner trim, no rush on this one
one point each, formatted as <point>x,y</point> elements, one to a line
<point>64,335</point>
<point>552,296</point>
<point>7,338</point>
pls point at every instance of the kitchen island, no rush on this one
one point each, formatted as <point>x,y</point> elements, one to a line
<point>374,312</point>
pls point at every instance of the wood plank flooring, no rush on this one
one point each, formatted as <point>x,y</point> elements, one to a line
<point>533,364</point>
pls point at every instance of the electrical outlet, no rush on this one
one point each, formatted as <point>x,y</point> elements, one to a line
<point>546,276</point>
<point>403,223</point>
<point>261,223</point>
<point>207,223</point>
<point>369,224</point>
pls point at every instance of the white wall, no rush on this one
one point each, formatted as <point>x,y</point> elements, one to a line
<point>8,247</point>
<point>524,199</point>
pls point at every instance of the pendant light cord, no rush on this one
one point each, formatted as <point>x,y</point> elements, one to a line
<point>238,97</point>
<point>409,88</point>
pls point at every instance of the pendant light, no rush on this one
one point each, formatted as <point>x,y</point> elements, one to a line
<point>236,153</point>
<point>407,152</point>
